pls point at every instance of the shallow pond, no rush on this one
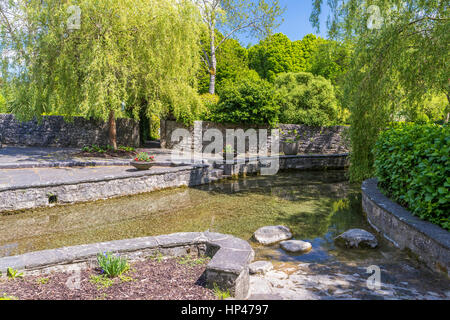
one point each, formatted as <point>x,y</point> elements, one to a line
<point>317,206</point>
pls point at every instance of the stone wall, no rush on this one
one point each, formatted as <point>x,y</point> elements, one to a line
<point>54,131</point>
<point>318,140</point>
<point>82,190</point>
<point>427,241</point>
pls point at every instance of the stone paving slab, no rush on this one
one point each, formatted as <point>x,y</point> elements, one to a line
<point>13,179</point>
<point>34,157</point>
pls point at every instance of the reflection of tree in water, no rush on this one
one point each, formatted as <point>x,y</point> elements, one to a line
<point>347,214</point>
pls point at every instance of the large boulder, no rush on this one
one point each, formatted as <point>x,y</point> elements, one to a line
<point>272,234</point>
<point>356,238</point>
<point>296,246</point>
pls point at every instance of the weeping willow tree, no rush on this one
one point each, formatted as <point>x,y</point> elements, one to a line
<point>101,58</point>
<point>401,57</point>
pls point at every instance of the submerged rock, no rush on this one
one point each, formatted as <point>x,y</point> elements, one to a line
<point>357,238</point>
<point>260,267</point>
<point>272,234</point>
<point>295,246</point>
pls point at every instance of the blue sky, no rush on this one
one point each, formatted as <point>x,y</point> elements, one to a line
<point>296,21</point>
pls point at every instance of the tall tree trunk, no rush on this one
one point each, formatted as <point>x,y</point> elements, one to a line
<point>213,65</point>
<point>112,130</point>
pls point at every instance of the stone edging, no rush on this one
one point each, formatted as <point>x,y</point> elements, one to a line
<point>64,164</point>
<point>429,242</point>
<point>228,268</point>
<point>133,174</point>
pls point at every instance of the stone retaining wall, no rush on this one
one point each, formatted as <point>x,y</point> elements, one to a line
<point>54,131</point>
<point>299,162</point>
<point>228,268</point>
<point>26,197</point>
<point>323,140</point>
<point>429,242</point>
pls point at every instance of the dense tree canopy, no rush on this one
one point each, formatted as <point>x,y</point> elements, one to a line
<point>123,56</point>
<point>306,99</point>
<point>331,60</point>
<point>402,55</point>
<point>277,54</point>
<point>250,100</point>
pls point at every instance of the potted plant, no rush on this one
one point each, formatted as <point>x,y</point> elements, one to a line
<point>229,153</point>
<point>291,143</point>
<point>143,161</point>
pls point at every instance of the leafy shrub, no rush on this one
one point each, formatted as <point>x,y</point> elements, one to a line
<point>248,101</point>
<point>306,99</point>
<point>413,168</point>
<point>103,149</point>
<point>112,266</point>
<point>210,100</point>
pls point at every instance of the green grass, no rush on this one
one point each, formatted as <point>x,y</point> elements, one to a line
<point>192,261</point>
<point>221,294</point>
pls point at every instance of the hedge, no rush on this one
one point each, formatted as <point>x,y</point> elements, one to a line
<point>413,168</point>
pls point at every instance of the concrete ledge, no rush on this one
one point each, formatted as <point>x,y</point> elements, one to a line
<point>228,268</point>
<point>429,242</point>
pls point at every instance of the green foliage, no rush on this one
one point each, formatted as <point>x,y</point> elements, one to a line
<point>210,100</point>
<point>155,123</point>
<point>112,266</point>
<point>191,261</point>
<point>247,102</point>
<point>231,17</point>
<point>13,274</point>
<point>306,99</point>
<point>413,168</point>
<point>221,294</point>
<point>2,104</point>
<point>127,55</point>
<point>101,281</point>
<point>42,281</point>
<point>232,62</point>
<point>401,63</point>
<point>103,149</point>
<point>277,54</point>
<point>331,60</point>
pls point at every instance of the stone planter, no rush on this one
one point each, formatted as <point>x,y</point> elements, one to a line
<point>141,165</point>
<point>229,156</point>
<point>291,149</point>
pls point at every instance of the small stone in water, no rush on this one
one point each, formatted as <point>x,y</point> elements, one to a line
<point>296,246</point>
<point>357,238</point>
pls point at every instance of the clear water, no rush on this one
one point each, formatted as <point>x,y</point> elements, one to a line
<point>316,206</point>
